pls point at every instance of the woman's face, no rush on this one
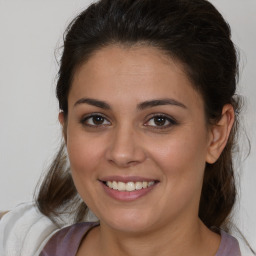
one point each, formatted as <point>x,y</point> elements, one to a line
<point>137,139</point>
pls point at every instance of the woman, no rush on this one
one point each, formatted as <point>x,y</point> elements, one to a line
<point>146,91</point>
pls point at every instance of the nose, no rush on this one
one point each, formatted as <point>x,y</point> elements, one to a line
<point>125,148</point>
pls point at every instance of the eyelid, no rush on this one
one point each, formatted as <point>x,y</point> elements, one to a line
<point>172,121</point>
<point>87,117</point>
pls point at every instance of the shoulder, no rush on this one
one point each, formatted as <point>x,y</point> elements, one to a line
<point>24,231</point>
<point>228,246</point>
<point>67,240</point>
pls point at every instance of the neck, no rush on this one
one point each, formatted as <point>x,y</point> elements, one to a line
<point>174,240</point>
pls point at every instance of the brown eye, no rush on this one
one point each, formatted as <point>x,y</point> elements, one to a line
<point>159,120</point>
<point>98,120</point>
<point>95,120</point>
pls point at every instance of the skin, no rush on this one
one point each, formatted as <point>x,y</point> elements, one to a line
<point>129,142</point>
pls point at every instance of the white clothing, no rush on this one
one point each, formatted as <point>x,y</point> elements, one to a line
<point>24,231</point>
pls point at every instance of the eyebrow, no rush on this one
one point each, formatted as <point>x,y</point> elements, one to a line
<point>140,106</point>
<point>93,102</point>
<point>159,102</point>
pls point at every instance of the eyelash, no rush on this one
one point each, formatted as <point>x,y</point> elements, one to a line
<point>86,118</point>
<point>171,121</point>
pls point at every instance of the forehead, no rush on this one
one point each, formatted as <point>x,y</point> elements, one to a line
<point>138,73</point>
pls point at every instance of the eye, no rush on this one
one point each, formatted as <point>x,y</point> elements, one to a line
<point>160,121</point>
<point>95,120</point>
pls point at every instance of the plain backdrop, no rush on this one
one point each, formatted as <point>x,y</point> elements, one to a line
<point>30,39</point>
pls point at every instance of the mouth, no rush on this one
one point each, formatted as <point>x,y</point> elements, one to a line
<point>129,186</point>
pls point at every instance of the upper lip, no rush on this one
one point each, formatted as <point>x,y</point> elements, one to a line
<point>126,179</point>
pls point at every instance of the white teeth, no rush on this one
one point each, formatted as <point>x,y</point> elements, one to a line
<point>114,185</point>
<point>110,184</point>
<point>129,186</point>
<point>138,185</point>
<point>121,186</point>
<point>151,183</point>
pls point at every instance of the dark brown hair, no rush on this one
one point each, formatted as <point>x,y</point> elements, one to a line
<point>190,31</point>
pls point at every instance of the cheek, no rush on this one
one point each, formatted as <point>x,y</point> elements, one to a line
<point>84,151</point>
<point>182,165</point>
<point>84,155</point>
<point>181,158</point>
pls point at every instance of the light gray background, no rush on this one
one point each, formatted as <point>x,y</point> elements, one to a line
<point>30,31</point>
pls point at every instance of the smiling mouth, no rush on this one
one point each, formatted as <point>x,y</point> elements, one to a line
<point>129,186</point>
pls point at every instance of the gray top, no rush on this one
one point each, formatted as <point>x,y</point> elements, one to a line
<point>66,241</point>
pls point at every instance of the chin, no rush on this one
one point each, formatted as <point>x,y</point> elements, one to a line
<point>131,221</point>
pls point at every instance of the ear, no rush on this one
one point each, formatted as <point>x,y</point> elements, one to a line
<point>63,124</point>
<point>61,118</point>
<point>219,134</point>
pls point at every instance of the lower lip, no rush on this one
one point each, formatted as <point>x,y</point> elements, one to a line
<point>125,195</point>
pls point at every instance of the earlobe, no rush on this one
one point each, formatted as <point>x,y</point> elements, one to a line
<point>219,134</point>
